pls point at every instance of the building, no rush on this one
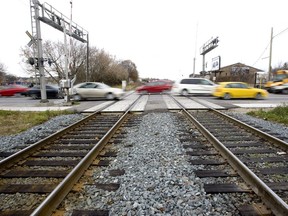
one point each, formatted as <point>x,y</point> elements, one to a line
<point>235,72</point>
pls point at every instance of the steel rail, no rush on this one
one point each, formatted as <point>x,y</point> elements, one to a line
<point>280,143</point>
<point>59,193</point>
<point>272,200</point>
<point>26,152</point>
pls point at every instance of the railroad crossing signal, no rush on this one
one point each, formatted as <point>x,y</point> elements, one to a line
<point>32,41</point>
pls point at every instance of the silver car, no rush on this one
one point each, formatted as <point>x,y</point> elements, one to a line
<point>193,86</point>
<point>94,90</point>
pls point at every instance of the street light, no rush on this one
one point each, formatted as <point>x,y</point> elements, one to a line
<point>270,55</point>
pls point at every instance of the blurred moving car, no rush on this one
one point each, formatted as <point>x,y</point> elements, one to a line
<point>193,86</point>
<point>93,90</point>
<point>158,86</point>
<point>279,78</point>
<point>51,92</point>
<point>281,89</point>
<point>228,90</point>
<point>13,90</point>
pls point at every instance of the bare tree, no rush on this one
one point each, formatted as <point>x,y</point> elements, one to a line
<point>54,60</point>
<point>280,66</point>
<point>3,72</point>
<point>131,69</point>
<point>103,67</point>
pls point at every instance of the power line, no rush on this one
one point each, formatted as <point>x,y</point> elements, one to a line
<point>261,55</point>
<point>268,45</point>
<point>280,32</point>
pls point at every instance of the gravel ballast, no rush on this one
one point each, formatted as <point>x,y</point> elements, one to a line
<point>158,178</point>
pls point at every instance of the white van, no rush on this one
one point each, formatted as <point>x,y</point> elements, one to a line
<point>193,86</point>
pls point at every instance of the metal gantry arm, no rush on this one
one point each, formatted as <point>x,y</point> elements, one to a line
<point>57,20</point>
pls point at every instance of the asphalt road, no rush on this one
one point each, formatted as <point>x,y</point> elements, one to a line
<point>272,99</point>
<point>27,101</point>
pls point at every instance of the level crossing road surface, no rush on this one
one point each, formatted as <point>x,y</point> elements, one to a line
<point>147,102</point>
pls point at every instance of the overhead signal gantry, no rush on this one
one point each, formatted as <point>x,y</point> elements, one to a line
<point>50,16</point>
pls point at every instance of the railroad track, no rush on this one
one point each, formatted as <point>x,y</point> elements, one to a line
<point>258,157</point>
<point>41,175</point>
<point>62,163</point>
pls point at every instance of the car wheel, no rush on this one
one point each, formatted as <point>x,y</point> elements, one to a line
<point>34,96</point>
<point>144,92</point>
<point>227,96</point>
<point>258,96</point>
<point>110,96</point>
<point>77,97</point>
<point>285,91</point>
<point>59,95</point>
<point>184,92</point>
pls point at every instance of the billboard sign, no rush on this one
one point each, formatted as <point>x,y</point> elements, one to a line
<point>216,63</point>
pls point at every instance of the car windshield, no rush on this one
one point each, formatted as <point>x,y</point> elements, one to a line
<point>36,87</point>
<point>206,82</point>
<point>279,77</point>
<point>50,87</point>
<point>93,85</point>
<point>88,85</point>
<point>152,84</point>
<point>236,85</point>
<point>103,85</point>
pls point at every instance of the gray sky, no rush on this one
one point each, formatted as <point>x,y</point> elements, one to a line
<point>160,36</point>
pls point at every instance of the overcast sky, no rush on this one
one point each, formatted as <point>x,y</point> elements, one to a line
<point>160,36</point>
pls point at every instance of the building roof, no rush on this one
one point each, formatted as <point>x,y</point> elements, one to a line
<point>239,64</point>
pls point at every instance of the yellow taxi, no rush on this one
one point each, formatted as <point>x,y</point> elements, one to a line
<point>228,90</point>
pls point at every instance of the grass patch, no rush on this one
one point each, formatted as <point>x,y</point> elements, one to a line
<point>279,114</point>
<point>13,122</point>
<point>129,87</point>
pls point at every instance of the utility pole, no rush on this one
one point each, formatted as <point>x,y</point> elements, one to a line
<point>57,20</point>
<point>194,59</point>
<point>87,58</point>
<point>270,56</point>
<point>40,54</point>
<point>68,53</point>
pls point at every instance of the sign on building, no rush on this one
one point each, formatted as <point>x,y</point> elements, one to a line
<point>216,63</point>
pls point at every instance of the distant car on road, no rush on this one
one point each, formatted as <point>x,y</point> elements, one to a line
<point>94,90</point>
<point>282,89</point>
<point>12,90</point>
<point>229,90</point>
<point>51,92</point>
<point>157,86</point>
<point>193,86</point>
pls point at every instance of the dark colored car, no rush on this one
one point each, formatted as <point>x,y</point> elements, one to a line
<point>51,92</point>
<point>158,86</point>
<point>12,90</point>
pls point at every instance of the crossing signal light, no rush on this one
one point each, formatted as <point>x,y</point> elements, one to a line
<point>50,62</point>
<point>31,61</point>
